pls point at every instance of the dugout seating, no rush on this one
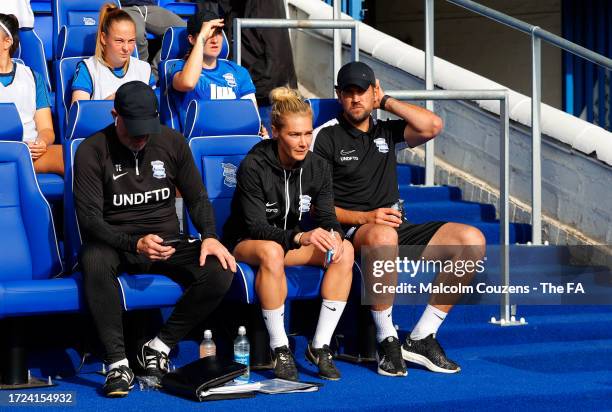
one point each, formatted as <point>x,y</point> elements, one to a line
<point>51,185</point>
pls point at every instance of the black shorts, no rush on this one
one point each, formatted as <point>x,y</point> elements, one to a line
<point>407,233</point>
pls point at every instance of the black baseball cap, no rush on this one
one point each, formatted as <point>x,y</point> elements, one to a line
<point>356,74</point>
<point>136,103</point>
<point>194,23</point>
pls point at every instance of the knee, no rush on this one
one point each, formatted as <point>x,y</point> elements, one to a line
<point>348,257</point>
<point>271,256</point>
<point>382,236</point>
<point>471,236</point>
<point>214,278</point>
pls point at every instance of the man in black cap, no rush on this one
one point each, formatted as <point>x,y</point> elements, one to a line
<point>362,154</point>
<point>125,180</point>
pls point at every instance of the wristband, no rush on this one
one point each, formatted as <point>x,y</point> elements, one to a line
<point>383,101</point>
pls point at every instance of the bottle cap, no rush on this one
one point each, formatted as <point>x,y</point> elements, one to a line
<point>207,334</point>
<point>242,331</point>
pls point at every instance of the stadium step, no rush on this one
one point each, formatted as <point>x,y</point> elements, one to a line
<point>415,193</point>
<point>449,211</point>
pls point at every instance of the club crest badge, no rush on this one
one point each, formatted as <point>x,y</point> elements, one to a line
<point>229,174</point>
<point>305,203</point>
<point>89,21</point>
<point>159,171</point>
<point>230,79</point>
<point>382,145</point>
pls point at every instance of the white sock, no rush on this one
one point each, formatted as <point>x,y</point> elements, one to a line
<point>384,324</point>
<point>430,322</point>
<point>329,316</point>
<point>114,365</point>
<point>158,345</point>
<point>275,324</point>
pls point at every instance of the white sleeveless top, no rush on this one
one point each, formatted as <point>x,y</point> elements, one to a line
<point>22,92</point>
<point>21,9</point>
<point>105,82</point>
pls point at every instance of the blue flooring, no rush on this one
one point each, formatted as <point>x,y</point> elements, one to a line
<point>561,360</point>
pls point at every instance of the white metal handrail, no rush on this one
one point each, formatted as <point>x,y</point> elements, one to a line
<point>537,34</point>
<point>504,166</point>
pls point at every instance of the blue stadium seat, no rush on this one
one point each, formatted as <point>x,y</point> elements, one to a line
<point>76,13</point>
<point>217,159</point>
<point>137,291</point>
<point>51,185</point>
<point>12,129</point>
<point>174,47</point>
<point>43,24</point>
<point>32,53</point>
<point>30,258</point>
<point>181,9</point>
<point>86,117</point>
<point>221,118</point>
<point>76,41</point>
<point>64,72</point>
<point>323,110</point>
<point>28,248</point>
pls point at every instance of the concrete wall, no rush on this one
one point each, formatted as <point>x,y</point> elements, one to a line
<point>576,198</point>
<point>480,45</point>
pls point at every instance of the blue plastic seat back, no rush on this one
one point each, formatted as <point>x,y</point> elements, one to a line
<point>217,159</point>
<point>75,41</point>
<point>64,72</point>
<point>76,13</point>
<point>11,128</point>
<point>168,105</point>
<point>179,8</point>
<point>32,52</point>
<point>28,246</point>
<point>221,118</point>
<point>86,118</point>
<point>324,110</point>
<point>43,24</point>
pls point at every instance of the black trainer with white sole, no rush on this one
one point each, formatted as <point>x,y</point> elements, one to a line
<point>324,360</point>
<point>389,358</point>
<point>428,353</point>
<point>118,382</point>
<point>284,364</point>
<point>153,362</point>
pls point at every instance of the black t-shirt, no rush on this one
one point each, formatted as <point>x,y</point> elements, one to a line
<point>122,195</point>
<point>364,164</point>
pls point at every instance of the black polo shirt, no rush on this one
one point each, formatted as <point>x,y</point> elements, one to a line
<point>364,164</point>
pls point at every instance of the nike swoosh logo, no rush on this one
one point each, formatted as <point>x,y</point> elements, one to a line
<point>438,316</point>
<point>115,177</point>
<point>270,204</point>
<point>332,309</point>
<point>191,240</point>
<point>346,152</point>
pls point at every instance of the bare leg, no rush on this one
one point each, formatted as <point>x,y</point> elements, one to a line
<point>51,162</point>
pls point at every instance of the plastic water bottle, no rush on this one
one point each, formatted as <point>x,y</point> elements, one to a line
<point>242,349</point>
<point>207,347</point>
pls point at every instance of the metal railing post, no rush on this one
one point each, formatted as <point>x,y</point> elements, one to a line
<point>237,41</point>
<point>337,44</point>
<point>429,85</point>
<point>355,44</point>
<point>504,198</point>
<point>536,140</point>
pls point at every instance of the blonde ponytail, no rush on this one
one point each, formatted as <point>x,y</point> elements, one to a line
<point>287,101</point>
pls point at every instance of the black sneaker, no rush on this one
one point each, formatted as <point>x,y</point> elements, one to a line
<point>154,363</point>
<point>389,358</point>
<point>429,353</point>
<point>284,364</point>
<point>323,359</point>
<point>118,382</point>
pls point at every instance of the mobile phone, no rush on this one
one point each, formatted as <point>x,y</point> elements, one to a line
<point>173,241</point>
